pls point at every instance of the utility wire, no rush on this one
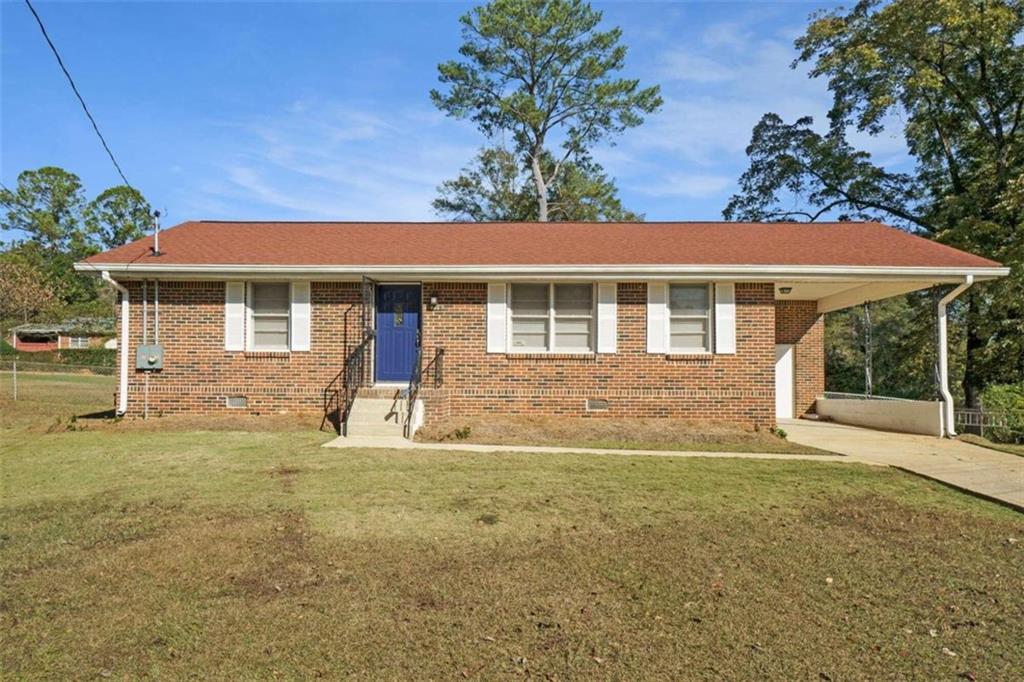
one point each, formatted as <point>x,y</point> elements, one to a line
<point>74,87</point>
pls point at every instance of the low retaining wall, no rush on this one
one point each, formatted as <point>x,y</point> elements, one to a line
<point>906,416</point>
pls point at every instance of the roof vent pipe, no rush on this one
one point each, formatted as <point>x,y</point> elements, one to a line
<point>156,233</point>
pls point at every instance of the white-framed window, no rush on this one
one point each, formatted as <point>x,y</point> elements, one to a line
<point>689,318</point>
<point>551,317</point>
<point>269,315</point>
<point>78,342</point>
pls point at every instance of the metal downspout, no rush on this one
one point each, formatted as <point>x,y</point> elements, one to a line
<point>122,392</point>
<point>947,397</point>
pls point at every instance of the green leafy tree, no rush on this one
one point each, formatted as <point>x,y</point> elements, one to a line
<point>489,189</point>
<point>499,187</point>
<point>902,333</point>
<point>953,72</point>
<point>25,291</point>
<point>45,212</point>
<point>47,207</point>
<point>584,192</point>
<point>541,70</point>
<point>117,216</point>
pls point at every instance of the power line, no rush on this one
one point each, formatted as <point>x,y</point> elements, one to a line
<point>74,87</point>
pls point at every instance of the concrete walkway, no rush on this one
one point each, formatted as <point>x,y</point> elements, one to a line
<point>988,473</point>
<point>380,442</point>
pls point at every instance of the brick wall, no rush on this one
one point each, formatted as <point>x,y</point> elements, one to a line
<point>799,323</point>
<point>736,387</point>
<point>199,374</point>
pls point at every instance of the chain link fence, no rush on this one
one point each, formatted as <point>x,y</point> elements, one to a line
<point>26,381</point>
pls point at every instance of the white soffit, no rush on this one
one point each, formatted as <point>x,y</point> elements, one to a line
<point>838,295</point>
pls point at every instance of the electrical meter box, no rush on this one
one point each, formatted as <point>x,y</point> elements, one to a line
<point>149,357</point>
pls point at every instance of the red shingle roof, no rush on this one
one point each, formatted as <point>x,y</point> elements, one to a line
<point>425,244</point>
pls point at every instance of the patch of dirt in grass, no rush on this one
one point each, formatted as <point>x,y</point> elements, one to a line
<point>253,423</point>
<point>287,565</point>
<point>287,475</point>
<point>642,434</point>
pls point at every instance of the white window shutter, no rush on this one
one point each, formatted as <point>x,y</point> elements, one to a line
<point>234,316</point>
<point>497,317</point>
<point>300,316</point>
<point>657,317</point>
<point>725,318</point>
<point>607,317</point>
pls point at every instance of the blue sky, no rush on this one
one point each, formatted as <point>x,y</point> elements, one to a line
<point>320,111</point>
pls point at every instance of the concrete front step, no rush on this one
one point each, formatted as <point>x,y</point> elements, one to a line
<point>380,417</point>
<point>381,392</point>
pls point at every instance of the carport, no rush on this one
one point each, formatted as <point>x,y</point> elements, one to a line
<point>856,286</point>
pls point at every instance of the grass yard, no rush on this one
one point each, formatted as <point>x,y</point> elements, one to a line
<point>1012,448</point>
<point>129,553</point>
<point>44,398</point>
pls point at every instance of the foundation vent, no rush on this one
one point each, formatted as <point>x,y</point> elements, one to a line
<point>237,401</point>
<point>597,405</point>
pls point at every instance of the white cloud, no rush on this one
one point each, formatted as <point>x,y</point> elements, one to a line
<point>689,185</point>
<point>685,65</point>
<point>323,160</point>
<point>711,124</point>
<point>731,34</point>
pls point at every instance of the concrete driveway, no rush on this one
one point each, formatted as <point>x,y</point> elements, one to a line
<point>996,475</point>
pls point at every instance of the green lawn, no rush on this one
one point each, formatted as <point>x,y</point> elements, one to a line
<point>226,555</point>
<point>1012,448</point>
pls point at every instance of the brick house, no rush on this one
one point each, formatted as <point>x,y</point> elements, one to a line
<point>76,333</point>
<point>702,321</point>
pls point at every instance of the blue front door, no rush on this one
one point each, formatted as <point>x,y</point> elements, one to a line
<point>398,330</point>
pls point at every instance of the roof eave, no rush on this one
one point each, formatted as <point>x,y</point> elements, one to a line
<point>596,271</point>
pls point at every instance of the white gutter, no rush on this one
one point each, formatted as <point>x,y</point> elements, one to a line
<point>620,272</point>
<point>122,391</point>
<point>947,397</point>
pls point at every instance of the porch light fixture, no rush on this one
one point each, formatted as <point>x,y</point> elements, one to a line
<point>785,290</point>
<point>433,302</point>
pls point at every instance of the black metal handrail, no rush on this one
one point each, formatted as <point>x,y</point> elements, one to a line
<point>340,393</point>
<point>434,367</point>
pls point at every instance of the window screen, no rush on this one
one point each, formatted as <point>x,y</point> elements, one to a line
<point>530,317</point>
<point>574,316</point>
<point>552,317</point>
<point>270,308</point>
<point>689,308</point>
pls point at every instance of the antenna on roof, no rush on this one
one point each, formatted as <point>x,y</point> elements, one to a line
<point>156,233</point>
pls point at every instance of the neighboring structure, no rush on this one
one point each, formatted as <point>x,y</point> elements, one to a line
<point>79,332</point>
<point>703,321</point>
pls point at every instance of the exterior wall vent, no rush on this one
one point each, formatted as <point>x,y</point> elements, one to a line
<point>237,401</point>
<point>597,405</point>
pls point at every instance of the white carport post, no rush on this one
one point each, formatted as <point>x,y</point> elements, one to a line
<point>947,398</point>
